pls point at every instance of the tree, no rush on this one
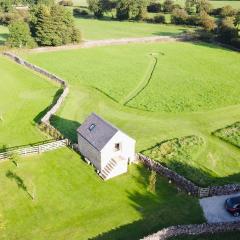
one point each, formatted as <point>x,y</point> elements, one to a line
<point>207,22</point>
<point>19,35</point>
<point>190,6</point>
<point>168,6</point>
<point>152,182</point>
<point>133,9</point>
<point>95,7</point>
<point>227,30</point>
<point>203,6</point>
<point>53,26</point>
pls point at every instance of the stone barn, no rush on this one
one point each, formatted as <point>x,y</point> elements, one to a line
<point>105,146</point>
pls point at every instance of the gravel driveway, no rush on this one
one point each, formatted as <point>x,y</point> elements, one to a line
<point>214,211</point>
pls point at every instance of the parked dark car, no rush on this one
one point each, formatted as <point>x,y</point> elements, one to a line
<point>232,205</point>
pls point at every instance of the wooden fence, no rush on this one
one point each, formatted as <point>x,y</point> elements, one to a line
<point>35,149</point>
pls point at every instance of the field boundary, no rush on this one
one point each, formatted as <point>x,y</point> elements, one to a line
<point>45,124</point>
<point>185,184</point>
<point>193,230</point>
<point>144,82</point>
<point>37,149</point>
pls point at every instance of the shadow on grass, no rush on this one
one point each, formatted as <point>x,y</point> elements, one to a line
<point>19,181</point>
<point>42,113</point>
<point>68,128</point>
<point>164,207</point>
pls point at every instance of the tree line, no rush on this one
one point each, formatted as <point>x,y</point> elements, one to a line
<point>219,24</point>
<point>43,24</point>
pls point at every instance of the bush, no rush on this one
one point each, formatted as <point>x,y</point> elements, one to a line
<point>203,6</point>
<point>80,12</point>
<point>207,22</point>
<point>193,20</point>
<point>227,11</point>
<point>168,6</point>
<point>66,3</point>
<point>19,35</point>
<point>7,17</point>
<point>227,31</point>
<point>179,16</point>
<point>205,36</point>
<point>154,7</point>
<point>160,18</point>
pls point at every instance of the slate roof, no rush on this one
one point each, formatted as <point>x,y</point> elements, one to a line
<point>97,131</point>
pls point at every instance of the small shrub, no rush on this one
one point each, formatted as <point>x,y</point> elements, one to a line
<point>66,3</point>
<point>227,11</point>
<point>179,16</point>
<point>160,18</point>
<point>154,7</point>
<point>207,22</point>
<point>77,12</point>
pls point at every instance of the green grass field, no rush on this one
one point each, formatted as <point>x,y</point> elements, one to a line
<point>23,95</point>
<point>101,77</point>
<point>72,202</point>
<point>106,29</point>
<point>3,34</point>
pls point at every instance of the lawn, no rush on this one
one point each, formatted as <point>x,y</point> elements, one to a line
<point>3,34</point>
<point>72,202</point>
<point>23,95</point>
<point>101,77</point>
<point>109,29</point>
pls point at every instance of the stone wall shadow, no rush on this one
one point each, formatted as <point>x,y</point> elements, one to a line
<point>68,128</point>
<point>56,96</point>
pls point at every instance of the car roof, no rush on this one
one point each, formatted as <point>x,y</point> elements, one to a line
<point>235,200</point>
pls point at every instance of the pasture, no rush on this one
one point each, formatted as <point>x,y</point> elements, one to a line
<point>72,202</point>
<point>101,77</point>
<point>23,96</point>
<point>95,29</point>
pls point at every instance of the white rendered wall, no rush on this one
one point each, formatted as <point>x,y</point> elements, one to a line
<point>127,148</point>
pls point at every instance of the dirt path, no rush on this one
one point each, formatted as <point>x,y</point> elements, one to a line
<point>109,42</point>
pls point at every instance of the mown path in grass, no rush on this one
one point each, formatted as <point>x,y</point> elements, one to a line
<point>145,80</point>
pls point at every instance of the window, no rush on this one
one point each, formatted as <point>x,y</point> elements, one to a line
<point>117,147</point>
<point>91,127</point>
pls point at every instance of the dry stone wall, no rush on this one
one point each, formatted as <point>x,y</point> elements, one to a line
<point>186,184</point>
<point>193,229</point>
<point>45,121</point>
